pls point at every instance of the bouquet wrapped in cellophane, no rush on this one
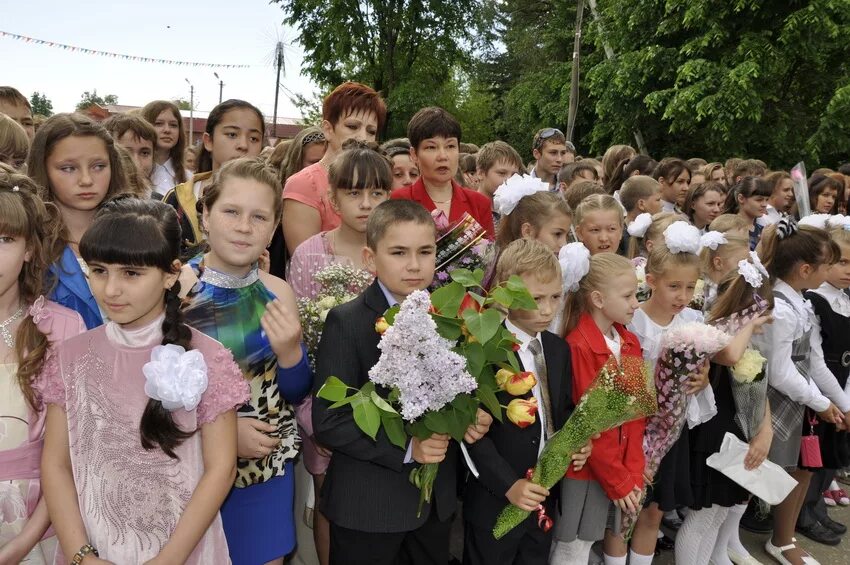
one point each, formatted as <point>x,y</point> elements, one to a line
<point>619,393</point>
<point>749,392</point>
<point>340,283</point>
<point>462,245</point>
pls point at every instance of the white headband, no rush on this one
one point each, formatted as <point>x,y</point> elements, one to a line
<point>682,237</point>
<point>713,240</point>
<point>508,195</point>
<point>640,224</point>
<point>575,264</point>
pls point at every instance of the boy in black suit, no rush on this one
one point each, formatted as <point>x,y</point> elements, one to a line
<point>503,456</point>
<point>367,495</point>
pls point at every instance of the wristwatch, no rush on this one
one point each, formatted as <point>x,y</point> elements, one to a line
<point>85,550</point>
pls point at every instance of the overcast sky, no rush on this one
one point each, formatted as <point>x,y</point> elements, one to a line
<point>212,31</point>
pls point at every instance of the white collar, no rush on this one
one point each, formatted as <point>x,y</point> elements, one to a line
<point>147,335</point>
<point>796,299</point>
<point>837,299</point>
<point>168,166</point>
<point>523,337</point>
<point>391,300</point>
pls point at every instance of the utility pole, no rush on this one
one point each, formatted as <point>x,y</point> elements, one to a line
<point>609,54</point>
<point>573,110</point>
<point>278,61</point>
<point>220,86</point>
<point>191,111</point>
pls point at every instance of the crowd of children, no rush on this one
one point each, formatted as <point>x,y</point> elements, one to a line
<point>160,404</point>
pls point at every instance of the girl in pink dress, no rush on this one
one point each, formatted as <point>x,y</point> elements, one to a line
<point>28,324</point>
<point>140,444</point>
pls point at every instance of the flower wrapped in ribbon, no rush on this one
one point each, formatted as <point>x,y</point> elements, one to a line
<point>618,394</point>
<point>442,356</point>
<point>339,284</point>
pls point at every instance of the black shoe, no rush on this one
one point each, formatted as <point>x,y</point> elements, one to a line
<point>665,544</point>
<point>819,533</point>
<point>834,526</point>
<point>756,522</point>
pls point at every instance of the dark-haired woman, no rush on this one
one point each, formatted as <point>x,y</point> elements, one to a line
<point>140,438</point>
<point>234,129</point>
<point>255,316</point>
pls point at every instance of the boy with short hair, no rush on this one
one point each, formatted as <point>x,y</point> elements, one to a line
<point>138,137</point>
<point>367,495</point>
<point>496,162</point>
<point>747,168</point>
<point>551,150</point>
<point>577,171</point>
<point>502,457</point>
<point>16,106</point>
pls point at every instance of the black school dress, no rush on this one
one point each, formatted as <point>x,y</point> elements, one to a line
<point>709,486</point>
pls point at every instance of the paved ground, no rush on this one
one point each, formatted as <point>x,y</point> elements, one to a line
<point>826,555</point>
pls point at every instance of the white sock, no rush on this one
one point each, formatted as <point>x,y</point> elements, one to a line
<point>697,536</point>
<point>637,559</point>
<point>575,552</point>
<point>731,530</point>
<point>833,485</point>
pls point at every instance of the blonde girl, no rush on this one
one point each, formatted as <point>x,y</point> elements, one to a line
<point>14,143</point>
<point>76,166</point>
<point>719,258</point>
<point>647,231</point>
<point>599,223</point>
<point>600,305</point>
<point>543,216</point>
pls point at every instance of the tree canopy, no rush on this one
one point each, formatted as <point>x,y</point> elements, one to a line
<point>88,98</point>
<point>41,105</point>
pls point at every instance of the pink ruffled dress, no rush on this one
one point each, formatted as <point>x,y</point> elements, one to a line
<point>130,498</point>
<point>21,438</point>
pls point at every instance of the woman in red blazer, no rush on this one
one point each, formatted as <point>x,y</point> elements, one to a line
<point>434,139</point>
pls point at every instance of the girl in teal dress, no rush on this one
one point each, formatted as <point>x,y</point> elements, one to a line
<point>255,316</point>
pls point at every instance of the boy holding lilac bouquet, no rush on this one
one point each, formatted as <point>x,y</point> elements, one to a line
<point>367,495</point>
<point>502,458</point>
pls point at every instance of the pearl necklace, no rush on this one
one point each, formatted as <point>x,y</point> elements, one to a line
<point>8,338</point>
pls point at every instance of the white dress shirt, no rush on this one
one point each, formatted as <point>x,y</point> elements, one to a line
<point>163,177</point>
<point>791,319</point>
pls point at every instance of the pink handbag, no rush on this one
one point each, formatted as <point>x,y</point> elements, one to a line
<point>810,445</point>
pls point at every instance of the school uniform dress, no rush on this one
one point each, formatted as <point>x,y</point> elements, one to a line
<point>616,465</point>
<point>794,386</point>
<point>832,310</point>
<point>463,200</point>
<point>505,454</point>
<point>70,287</point>
<point>367,495</point>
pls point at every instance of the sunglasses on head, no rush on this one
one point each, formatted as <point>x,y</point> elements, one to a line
<point>550,132</point>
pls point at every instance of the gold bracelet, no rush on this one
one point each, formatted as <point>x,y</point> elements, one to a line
<point>87,549</point>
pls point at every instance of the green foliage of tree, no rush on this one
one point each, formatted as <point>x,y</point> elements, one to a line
<point>41,105</point>
<point>184,104</point>
<point>88,98</point>
<point>716,78</point>
<point>408,50</point>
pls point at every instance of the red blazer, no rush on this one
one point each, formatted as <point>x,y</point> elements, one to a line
<point>617,461</point>
<point>463,200</point>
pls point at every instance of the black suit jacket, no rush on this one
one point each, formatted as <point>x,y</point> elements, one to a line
<point>367,486</point>
<point>507,451</point>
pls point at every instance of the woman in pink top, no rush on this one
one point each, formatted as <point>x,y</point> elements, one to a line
<point>28,325</point>
<point>351,111</point>
<point>140,443</point>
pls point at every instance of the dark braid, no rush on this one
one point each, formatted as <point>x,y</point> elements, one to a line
<point>157,426</point>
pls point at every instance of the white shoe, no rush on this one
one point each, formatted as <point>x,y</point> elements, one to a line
<point>739,559</point>
<point>776,553</point>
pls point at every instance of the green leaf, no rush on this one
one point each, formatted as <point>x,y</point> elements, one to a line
<point>345,401</point>
<point>502,296</point>
<point>333,390</point>
<point>447,299</point>
<point>366,416</point>
<point>382,404</point>
<point>483,325</point>
<point>466,277</point>
<point>487,396</point>
<point>475,358</point>
<point>394,428</point>
<point>390,314</point>
<point>419,429</point>
<point>449,328</point>
<point>437,422</point>
<point>512,359</point>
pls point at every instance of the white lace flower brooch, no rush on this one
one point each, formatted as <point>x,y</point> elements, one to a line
<point>713,240</point>
<point>639,225</point>
<point>815,220</point>
<point>682,237</point>
<point>176,377</point>
<point>750,273</point>
<point>575,263</point>
<point>508,195</point>
<point>754,257</point>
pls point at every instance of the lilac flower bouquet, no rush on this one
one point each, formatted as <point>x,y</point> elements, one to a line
<point>440,355</point>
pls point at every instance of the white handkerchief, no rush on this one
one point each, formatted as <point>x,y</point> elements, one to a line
<point>768,481</point>
<point>701,407</point>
